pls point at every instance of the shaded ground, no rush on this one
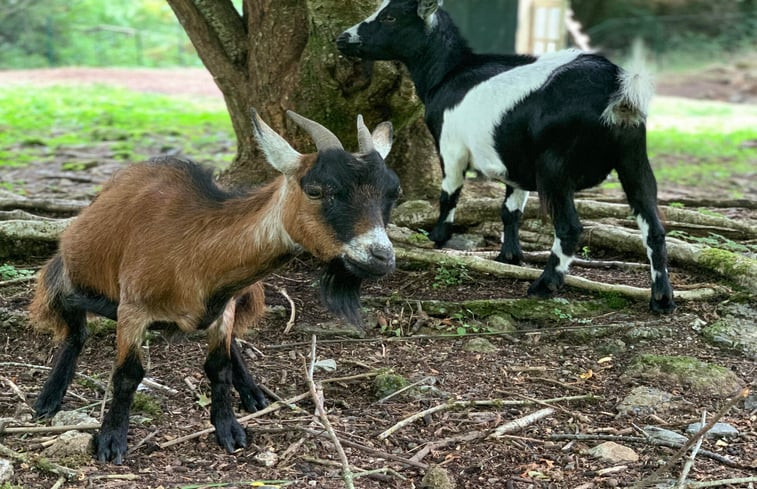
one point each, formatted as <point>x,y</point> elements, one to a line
<point>544,359</point>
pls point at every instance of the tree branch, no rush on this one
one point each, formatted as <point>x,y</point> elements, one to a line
<point>209,46</point>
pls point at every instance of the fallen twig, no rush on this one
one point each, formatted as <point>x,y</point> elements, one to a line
<point>347,474</point>
<point>520,423</point>
<point>400,391</point>
<point>467,404</point>
<point>513,271</point>
<point>690,460</point>
<point>358,472</point>
<point>721,482</point>
<point>100,386</point>
<point>273,407</point>
<point>142,442</point>
<point>652,478</point>
<point>41,463</point>
<point>49,429</point>
<point>292,309</point>
<point>348,443</point>
<point>18,280</point>
<point>152,384</point>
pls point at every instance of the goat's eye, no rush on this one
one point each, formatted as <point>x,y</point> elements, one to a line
<point>388,18</point>
<point>314,191</point>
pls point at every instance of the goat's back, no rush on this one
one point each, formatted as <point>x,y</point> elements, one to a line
<point>141,224</point>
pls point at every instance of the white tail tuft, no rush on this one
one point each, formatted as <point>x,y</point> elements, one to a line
<point>630,104</point>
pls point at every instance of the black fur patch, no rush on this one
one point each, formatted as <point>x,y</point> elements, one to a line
<point>201,178</point>
<point>340,292</point>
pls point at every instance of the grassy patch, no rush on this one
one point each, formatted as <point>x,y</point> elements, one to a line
<point>39,122</point>
<point>696,143</point>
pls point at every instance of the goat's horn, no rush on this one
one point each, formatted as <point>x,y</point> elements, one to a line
<point>322,137</point>
<point>364,137</point>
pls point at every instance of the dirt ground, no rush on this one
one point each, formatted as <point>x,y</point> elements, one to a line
<point>541,360</point>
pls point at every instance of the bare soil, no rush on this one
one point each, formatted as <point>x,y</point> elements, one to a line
<point>542,360</point>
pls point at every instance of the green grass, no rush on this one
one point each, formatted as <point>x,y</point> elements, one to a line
<point>37,122</point>
<point>696,143</point>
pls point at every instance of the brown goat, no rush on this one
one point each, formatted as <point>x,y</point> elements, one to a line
<point>163,243</point>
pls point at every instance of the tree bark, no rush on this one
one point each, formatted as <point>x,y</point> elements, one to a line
<point>280,55</point>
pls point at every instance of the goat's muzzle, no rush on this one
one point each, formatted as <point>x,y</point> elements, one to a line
<point>377,262</point>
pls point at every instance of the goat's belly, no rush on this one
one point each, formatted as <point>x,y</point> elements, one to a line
<point>488,162</point>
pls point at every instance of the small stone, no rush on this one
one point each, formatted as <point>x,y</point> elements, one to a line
<point>72,418</point>
<point>6,470</point>
<point>437,478</point>
<point>267,458</point>
<point>72,446</point>
<point>735,329</point>
<point>501,324</point>
<point>661,434</point>
<point>750,403</point>
<point>644,400</point>
<point>465,242</point>
<point>719,430</point>
<point>684,371</point>
<point>479,345</point>
<point>613,453</point>
<point>327,365</point>
<point>647,333</point>
<point>386,384</point>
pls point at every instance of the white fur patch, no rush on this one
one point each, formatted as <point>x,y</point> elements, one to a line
<point>565,260</point>
<point>517,200</point>
<point>352,31</point>
<point>630,106</point>
<point>644,227</point>
<point>270,231</point>
<point>358,248</point>
<point>468,128</point>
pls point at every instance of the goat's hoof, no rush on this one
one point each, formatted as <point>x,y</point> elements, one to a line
<point>111,446</point>
<point>510,258</point>
<point>253,400</point>
<point>45,409</point>
<point>441,234</point>
<point>545,287</point>
<point>665,305</point>
<point>230,435</point>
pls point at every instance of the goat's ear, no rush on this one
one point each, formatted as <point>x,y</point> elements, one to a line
<point>427,9</point>
<point>383,136</point>
<point>278,152</point>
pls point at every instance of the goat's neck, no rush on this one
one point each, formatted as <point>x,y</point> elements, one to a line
<point>251,233</point>
<point>444,50</point>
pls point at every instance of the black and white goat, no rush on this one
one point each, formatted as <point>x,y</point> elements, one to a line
<point>163,243</point>
<point>555,124</point>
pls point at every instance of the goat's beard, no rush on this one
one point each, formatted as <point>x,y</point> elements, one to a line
<point>340,291</point>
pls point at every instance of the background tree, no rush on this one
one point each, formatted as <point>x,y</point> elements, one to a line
<point>280,54</point>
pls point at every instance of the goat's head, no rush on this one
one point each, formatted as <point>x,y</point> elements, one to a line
<point>396,30</point>
<point>345,200</point>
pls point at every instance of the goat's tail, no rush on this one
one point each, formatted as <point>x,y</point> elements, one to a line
<point>46,309</point>
<point>629,105</point>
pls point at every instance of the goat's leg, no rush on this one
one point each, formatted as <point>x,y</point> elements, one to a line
<point>252,397</point>
<point>111,441</point>
<point>640,187</point>
<point>512,212</point>
<point>454,164</point>
<point>75,333</point>
<point>567,233</point>
<point>219,367</point>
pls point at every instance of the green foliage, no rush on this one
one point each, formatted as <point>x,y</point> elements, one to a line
<point>450,273</point>
<point>715,241</point>
<point>93,33</point>
<point>676,205</point>
<point>9,272</point>
<point>128,125</point>
<point>145,404</point>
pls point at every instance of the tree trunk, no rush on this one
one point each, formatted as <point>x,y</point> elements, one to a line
<point>281,55</point>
